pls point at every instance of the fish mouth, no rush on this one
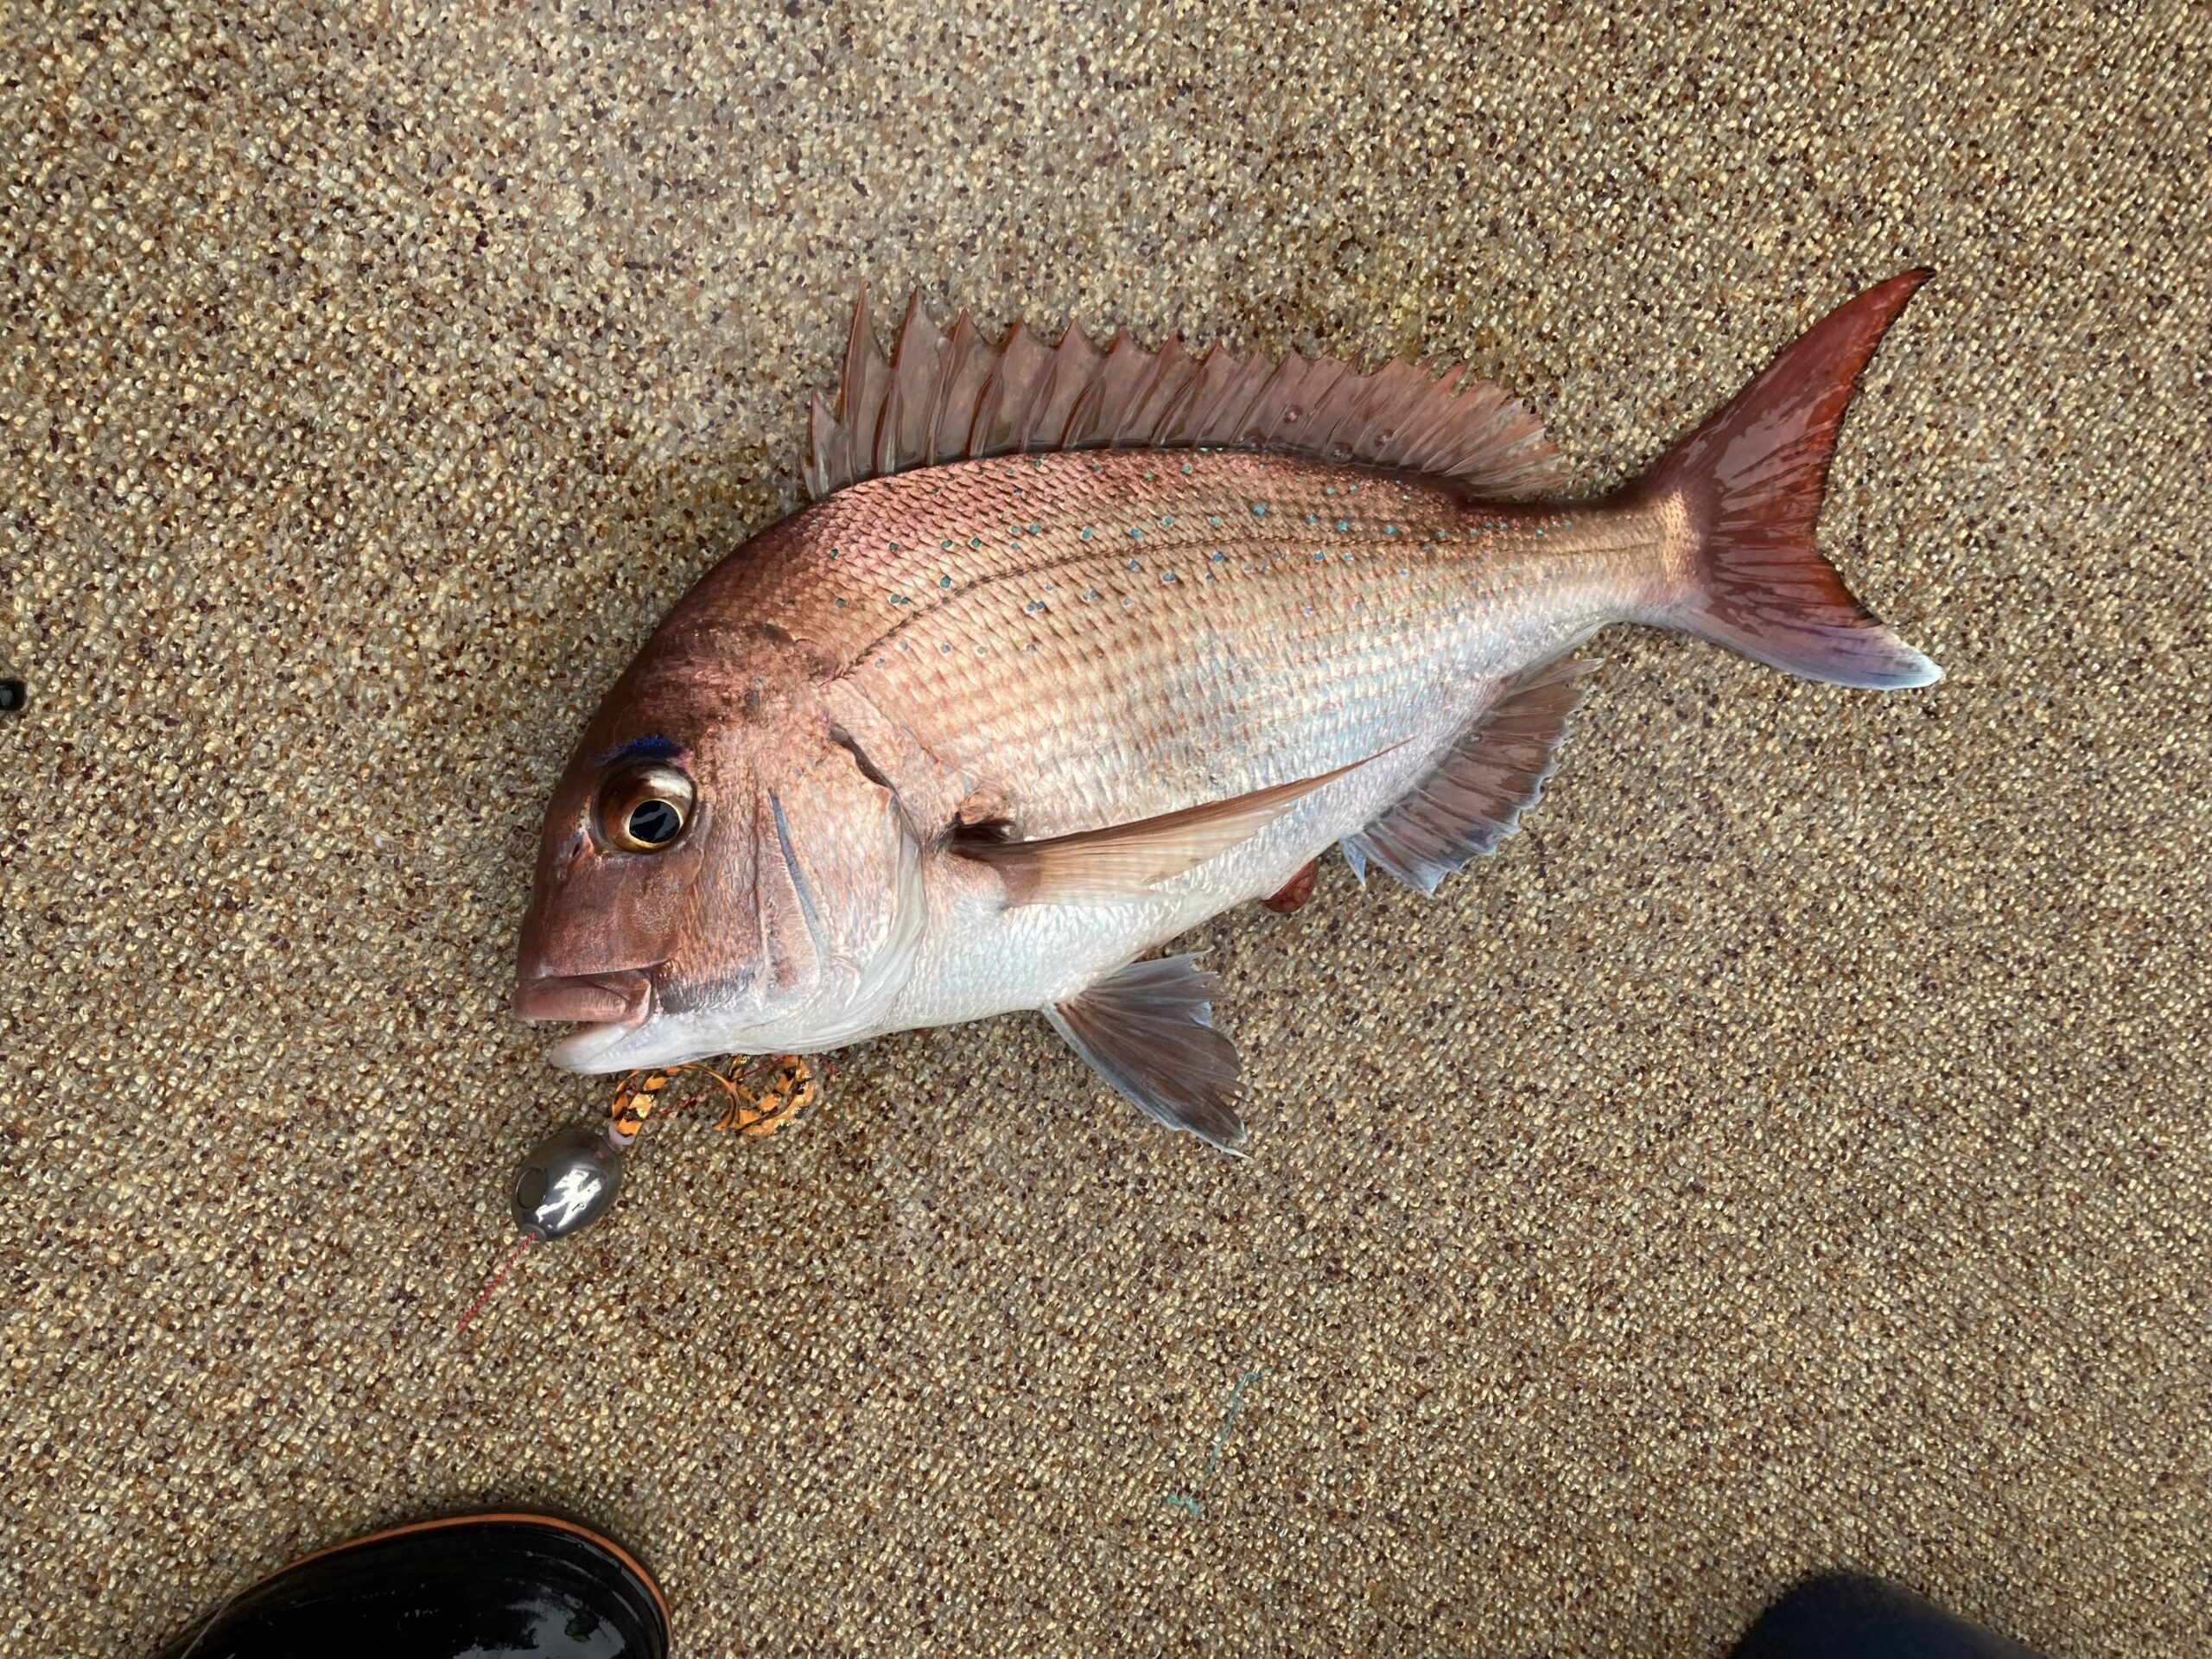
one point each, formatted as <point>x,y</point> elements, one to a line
<point>610,1007</point>
<point>591,1050</point>
<point>621,998</point>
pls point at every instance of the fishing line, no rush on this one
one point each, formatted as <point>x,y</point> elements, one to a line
<point>506,1268</point>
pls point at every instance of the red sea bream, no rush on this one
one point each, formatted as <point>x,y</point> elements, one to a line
<point>1076,648</point>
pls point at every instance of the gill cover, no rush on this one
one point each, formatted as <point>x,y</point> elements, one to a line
<point>809,906</point>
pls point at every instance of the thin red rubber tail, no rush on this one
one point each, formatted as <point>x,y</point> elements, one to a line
<point>485,1295</point>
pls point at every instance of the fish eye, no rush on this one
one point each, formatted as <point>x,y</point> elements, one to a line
<point>643,808</point>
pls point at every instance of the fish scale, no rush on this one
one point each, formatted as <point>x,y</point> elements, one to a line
<point>1005,709</point>
<point>1210,625</point>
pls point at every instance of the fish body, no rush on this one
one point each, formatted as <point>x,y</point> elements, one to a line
<point>1068,641</point>
<point>975,735</point>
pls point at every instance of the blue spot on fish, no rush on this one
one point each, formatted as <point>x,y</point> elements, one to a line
<point>1259,510</point>
<point>641,748</point>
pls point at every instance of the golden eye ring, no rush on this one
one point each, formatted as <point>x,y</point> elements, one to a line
<point>646,809</point>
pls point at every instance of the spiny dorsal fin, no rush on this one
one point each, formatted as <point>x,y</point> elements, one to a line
<point>942,398</point>
<point>1126,860</point>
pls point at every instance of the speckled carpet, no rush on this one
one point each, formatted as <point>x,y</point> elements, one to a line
<point>1792,1150</point>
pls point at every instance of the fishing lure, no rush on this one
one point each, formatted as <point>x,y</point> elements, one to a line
<point>571,1179</point>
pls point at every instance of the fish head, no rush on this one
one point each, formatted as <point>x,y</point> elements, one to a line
<point>717,875</point>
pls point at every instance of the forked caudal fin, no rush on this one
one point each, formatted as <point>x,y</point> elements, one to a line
<point>1750,482</point>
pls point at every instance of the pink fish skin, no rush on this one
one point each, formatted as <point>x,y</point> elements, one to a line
<point>978,735</point>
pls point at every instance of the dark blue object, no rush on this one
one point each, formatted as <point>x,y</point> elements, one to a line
<point>12,696</point>
<point>521,1586</point>
<point>1851,1616</point>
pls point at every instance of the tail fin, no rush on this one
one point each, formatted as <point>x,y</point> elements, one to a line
<point>1751,479</point>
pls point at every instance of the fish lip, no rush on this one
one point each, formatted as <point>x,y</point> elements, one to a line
<point>586,1051</point>
<point>618,999</point>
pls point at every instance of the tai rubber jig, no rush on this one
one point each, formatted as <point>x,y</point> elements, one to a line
<point>571,1180</point>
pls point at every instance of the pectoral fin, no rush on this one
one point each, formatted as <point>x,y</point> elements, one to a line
<point>1127,861</point>
<point>1473,799</point>
<point>1147,1031</point>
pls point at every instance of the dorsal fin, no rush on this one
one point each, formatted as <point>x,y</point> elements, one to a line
<point>941,398</point>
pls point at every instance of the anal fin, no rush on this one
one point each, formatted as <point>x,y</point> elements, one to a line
<point>1472,801</point>
<point>1148,1030</point>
